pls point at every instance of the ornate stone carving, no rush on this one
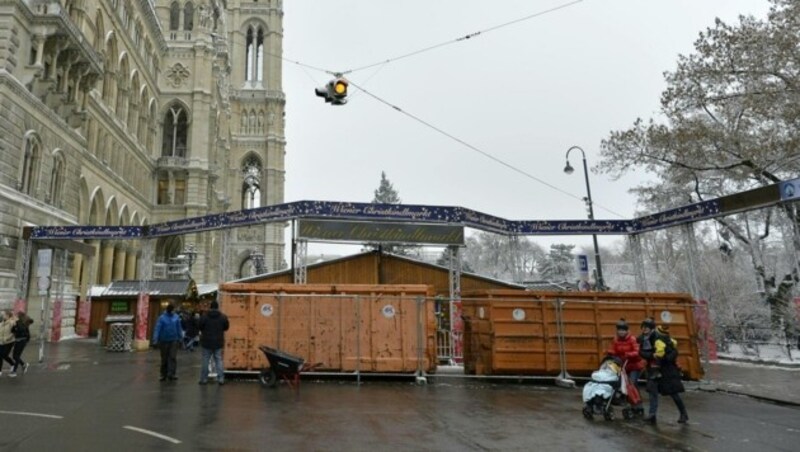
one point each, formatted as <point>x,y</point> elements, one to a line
<point>177,74</point>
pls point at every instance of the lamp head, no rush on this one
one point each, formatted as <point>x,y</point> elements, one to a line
<point>569,169</point>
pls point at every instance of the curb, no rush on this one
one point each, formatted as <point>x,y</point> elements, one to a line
<point>722,358</point>
<point>751,395</point>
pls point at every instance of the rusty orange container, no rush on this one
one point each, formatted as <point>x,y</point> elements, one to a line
<point>517,332</point>
<point>342,328</point>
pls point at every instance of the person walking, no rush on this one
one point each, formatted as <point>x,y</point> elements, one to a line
<point>213,326</point>
<point>626,348</point>
<point>189,322</point>
<point>22,335</point>
<point>663,374</point>
<point>167,336</point>
<point>7,322</point>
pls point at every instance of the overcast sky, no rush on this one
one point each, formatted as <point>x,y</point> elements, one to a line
<point>523,93</point>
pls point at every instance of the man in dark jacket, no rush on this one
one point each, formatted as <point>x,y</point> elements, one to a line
<point>663,375</point>
<point>213,326</point>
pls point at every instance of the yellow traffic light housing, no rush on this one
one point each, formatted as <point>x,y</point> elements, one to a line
<point>340,87</point>
<point>335,91</point>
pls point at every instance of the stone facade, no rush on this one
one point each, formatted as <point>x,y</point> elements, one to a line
<point>133,112</point>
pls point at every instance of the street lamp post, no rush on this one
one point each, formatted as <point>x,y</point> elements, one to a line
<point>191,256</point>
<point>569,170</point>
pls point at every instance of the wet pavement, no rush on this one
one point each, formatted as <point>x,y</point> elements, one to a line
<point>774,383</point>
<point>84,398</point>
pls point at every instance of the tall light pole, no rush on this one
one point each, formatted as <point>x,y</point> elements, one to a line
<point>569,170</point>
<point>190,255</point>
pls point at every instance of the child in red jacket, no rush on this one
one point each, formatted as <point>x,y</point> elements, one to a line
<point>625,347</point>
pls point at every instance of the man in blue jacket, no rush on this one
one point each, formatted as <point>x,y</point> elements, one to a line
<point>213,326</point>
<point>167,336</point>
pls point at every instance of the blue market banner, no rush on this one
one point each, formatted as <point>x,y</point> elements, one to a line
<point>575,227</point>
<point>380,232</point>
<point>786,191</point>
<point>87,232</point>
<point>687,214</point>
<point>241,218</point>
<point>399,212</point>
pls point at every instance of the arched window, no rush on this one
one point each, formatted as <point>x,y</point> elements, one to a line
<point>251,183</point>
<point>254,70</point>
<point>188,16</point>
<point>108,76</point>
<point>133,107</point>
<point>141,132</point>
<point>31,159</point>
<point>152,129</point>
<point>57,179</point>
<point>99,32</point>
<point>260,55</point>
<point>176,132</point>
<point>174,16</point>
<point>248,71</point>
<point>122,89</point>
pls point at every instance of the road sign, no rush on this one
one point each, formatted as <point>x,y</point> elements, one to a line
<point>583,267</point>
<point>43,284</point>
<point>44,260</point>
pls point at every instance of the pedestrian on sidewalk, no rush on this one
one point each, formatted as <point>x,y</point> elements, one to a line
<point>167,336</point>
<point>625,347</point>
<point>213,326</point>
<point>6,339</point>
<point>22,335</point>
<point>663,374</point>
<point>189,322</point>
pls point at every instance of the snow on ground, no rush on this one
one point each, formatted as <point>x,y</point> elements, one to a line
<point>775,354</point>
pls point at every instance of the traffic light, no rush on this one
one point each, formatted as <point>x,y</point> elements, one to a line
<point>334,92</point>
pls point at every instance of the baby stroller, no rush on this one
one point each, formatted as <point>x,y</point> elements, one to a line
<point>609,387</point>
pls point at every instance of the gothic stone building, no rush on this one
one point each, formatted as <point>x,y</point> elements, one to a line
<point>134,112</point>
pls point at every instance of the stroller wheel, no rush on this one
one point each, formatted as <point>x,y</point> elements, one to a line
<point>627,414</point>
<point>609,415</point>
<point>268,378</point>
<point>587,412</point>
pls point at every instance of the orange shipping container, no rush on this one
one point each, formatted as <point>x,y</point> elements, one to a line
<point>343,328</point>
<point>517,332</point>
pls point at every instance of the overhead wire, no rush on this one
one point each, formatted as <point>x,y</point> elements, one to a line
<point>463,38</point>
<point>478,150</point>
<point>468,36</point>
<point>428,48</point>
<point>366,80</point>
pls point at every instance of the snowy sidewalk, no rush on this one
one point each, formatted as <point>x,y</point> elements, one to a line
<point>762,381</point>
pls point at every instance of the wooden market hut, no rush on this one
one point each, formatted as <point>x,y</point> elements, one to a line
<point>119,299</point>
<point>374,267</point>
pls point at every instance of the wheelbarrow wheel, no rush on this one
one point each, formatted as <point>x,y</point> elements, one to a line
<point>268,378</point>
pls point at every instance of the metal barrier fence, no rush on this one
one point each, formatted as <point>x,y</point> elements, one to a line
<point>757,343</point>
<point>382,333</point>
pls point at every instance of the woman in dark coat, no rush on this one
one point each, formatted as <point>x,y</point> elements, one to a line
<point>663,373</point>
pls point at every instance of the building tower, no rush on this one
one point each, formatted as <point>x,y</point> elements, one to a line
<point>223,131</point>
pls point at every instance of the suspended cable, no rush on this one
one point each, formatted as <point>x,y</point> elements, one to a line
<point>478,150</point>
<point>463,38</point>
<point>429,48</point>
<point>366,80</point>
<point>298,63</point>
